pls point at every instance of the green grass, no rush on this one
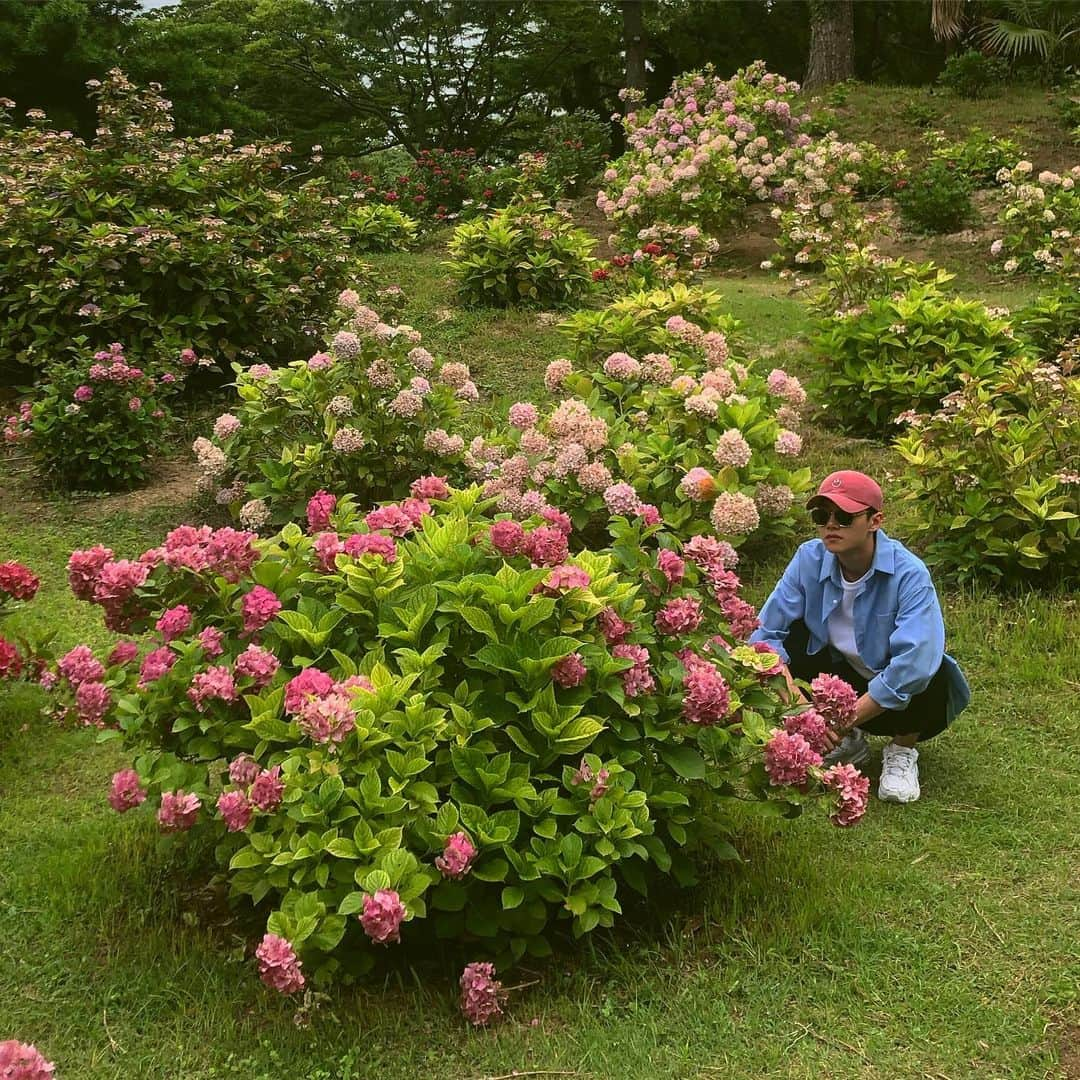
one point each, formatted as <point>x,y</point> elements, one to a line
<point>936,940</point>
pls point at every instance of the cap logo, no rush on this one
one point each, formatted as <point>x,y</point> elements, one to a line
<point>837,482</point>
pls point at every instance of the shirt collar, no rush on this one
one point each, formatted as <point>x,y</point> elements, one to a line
<point>884,559</point>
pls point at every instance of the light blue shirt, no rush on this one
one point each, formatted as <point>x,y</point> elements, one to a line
<point>899,631</point>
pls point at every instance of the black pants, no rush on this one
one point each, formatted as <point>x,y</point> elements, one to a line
<point>926,712</point>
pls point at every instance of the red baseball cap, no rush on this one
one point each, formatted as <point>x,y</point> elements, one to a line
<point>851,491</point>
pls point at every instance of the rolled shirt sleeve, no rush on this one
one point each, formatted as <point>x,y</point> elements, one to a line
<point>916,647</point>
<point>786,603</point>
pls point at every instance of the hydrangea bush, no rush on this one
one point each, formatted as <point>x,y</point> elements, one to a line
<point>996,473</point>
<point>905,351</point>
<point>444,725</point>
<point>158,242</point>
<point>686,426</point>
<point>378,227</point>
<point>19,656</point>
<point>98,420</point>
<point>1039,222</point>
<point>362,416</point>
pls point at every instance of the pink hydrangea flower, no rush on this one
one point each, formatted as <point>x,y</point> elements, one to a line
<point>125,792</point>
<point>481,993</point>
<point>734,514</point>
<point>706,695</point>
<point>708,553</point>
<point>621,499</point>
<point>257,664</point>
<point>523,415</point>
<point>178,811</point>
<point>83,569</point>
<point>123,652</point>
<point>620,365</point>
<point>371,544</point>
<point>392,518</point>
<point>614,629</point>
<point>327,548</point>
<point>430,487</point>
<point>215,683</point>
<point>600,788</point>
<point>697,485</point>
<point>235,810</point>
<point>80,665</point>
<point>649,514</point>
<point>557,373</point>
<point>835,699</point>
<point>680,616</point>
<point>415,509</point>
<point>319,508</point>
<point>564,578</point>
<point>788,757</point>
<point>741,616</point>
<point>92,701</point>
<point>258,607</point>
<point>637,680</point>
<point>382,916</point>
<point>507,537</point>
<point>243,770</point>
<point>671,566</point>
<point>267,789</point>
<point>570,671</point>
<point>457,857</point>
<point>310,682</point>
<point>557,518</point>
<point>279,967</point>
<point>156,663</point>
<point>812,726</point>
<point>761,647</point>
<point>328,718</point>
<point>732,449</point>
<point>21,1061</point>
<point>211,640</point>
<point>18,581</point>
<point>546,546</point>
<point>854,793</point>
<point>788,443</point>
<point>226,425</point>
<point>174,623</point>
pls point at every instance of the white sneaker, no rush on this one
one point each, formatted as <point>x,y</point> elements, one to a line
<point>852,750</point>
<point>899,774</point>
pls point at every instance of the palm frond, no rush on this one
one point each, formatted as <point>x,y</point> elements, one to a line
<point>1013,40</point>
<point>947,19</point>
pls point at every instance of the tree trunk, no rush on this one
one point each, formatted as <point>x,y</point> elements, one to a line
<point>832,43</point>
<point>634,42</point>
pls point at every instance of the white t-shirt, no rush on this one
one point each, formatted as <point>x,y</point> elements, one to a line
<point>842,625</point>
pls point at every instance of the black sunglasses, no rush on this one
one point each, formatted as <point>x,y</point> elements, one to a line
<point>820,515</point>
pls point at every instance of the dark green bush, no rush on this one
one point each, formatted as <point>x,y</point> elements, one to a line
<point>936,199</point>
<point>972,74</point>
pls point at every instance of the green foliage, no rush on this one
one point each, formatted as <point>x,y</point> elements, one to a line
<point>172,243</point>
<point>366,417</point>
<point>1051,320</point>
<point>979,155</point>
<point>918,112</point>
<point>97,423</point>
<point>901,353</point>
<point>972,74</point>
<point>635,323</point>
<point>936,198</point>
<point>525,254</point>
<point>574,148</point>
<point>453,718</point>
<point>1067,104</point>
<point>878,170</point>
<point>996,474</point>
<point>375,227</point>
<point>853,278</point>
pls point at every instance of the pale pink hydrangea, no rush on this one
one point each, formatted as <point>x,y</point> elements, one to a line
<point>328,718</point>
<point>346,344</point>
<point>178,811</point>
<point>697,485</point>
<point>258,664</point>
<point>235,810</point>
<point>457,857</point>
<point>621,498</point>
<point>421,359</point>
<point>835,699</point>
<point>732,449</point>
<point>80,665</point>
<point>788,759</point>
<point>734,514</point>
<point>788,443</point>
<point>254,514</point>
<point>657,368</point>
<point>556,373</point>
<point>174,623</point>
<point>258,607</point>
<point>125,792</point>
<point>720,381</point>
<point>339,406</point>
<point>267,789</point>
<point>679,616</point>
<point>382,916</point>
<point>854,793</point>
<point>620,365</point>
<point>523,415</point>
<point>773,500</point>
<point>481,993</point>
<point>534,441</point>
<point>319,508</point>
<point>407,404</point>
<point>454,374</point>
<point>214,684</point>
<point>637,680</point>
<point>279,967</point>
<point>348,440</point>
<point>812,726</point>
<point>570,671</point>
<point>594,477</point>
<point>563,578</point>
<point>320,362</point>
<point>226,425</point>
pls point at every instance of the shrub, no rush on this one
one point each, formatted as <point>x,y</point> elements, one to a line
<point>920,113</point>
<point>635,323</point>
<point>877,170</point>
<point>1050,321</point>
<point>973,74</point>
<point>158,242</point>
<point>979,155</point>
<point>362,417</point>
<point>936,199</point>
<point>1067,103</point>
<point>453,732</point>
<point>996,473</point>
<point>574,148</point>
<point>525,254</point>
<point>97,423</point>
<point>436,185</point>
<point>1039,222</point>
<point>901,353</point>
<point>686,426</point>
<point>375,227</point>
<point>20,656</point>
